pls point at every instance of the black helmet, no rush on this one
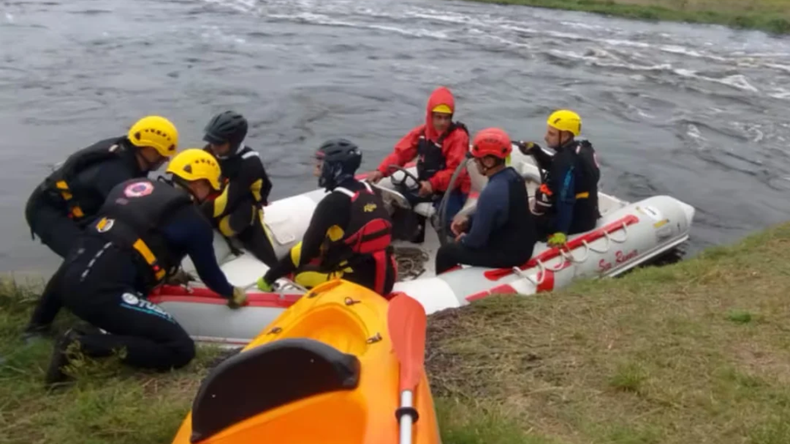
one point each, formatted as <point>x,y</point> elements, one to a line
<point>228,126</point>
<point>341,160</point>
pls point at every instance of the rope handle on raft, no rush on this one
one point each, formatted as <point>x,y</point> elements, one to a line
<point>542,273</point>
<point>566,252</point>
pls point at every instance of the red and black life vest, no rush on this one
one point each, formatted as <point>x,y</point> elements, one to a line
<point>367,236</point>
<point>369,228</point>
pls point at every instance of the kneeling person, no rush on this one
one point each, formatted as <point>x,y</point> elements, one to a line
<point>501,233</point>
<point>349,234</point>
<point>142,233</point>
<point>238,211</point>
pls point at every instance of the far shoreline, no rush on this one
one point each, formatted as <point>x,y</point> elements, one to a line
<point>761,15</point>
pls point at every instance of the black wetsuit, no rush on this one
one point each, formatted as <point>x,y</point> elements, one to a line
<point>89,175</point>
<point>237,212</point>
<point>105,280</point>
<point>337,212</point>
<point>572,189</point>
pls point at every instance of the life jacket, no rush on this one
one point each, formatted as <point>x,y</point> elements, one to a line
<point>430,158</point>
<point>131,217</point>
<point>543,200</point>
<point>586,175</point>
<point>368,235</point>
<point>518,234</point>
<point>57,185</point>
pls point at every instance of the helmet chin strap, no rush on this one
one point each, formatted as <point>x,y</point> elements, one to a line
<point>233,151</point>
<point>331,179</point>
<point>177,183</point>
<point>486,169</point>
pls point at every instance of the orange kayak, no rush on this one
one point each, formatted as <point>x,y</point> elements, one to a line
<point>324,371</point>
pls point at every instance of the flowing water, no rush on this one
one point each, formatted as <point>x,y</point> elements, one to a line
<point>696,112</point>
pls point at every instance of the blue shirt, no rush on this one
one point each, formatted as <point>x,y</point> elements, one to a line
<point>189,233</point>
<point>492,208</point>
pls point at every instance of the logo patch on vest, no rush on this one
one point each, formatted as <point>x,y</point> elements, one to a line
<point>138,189</point>
<point>131,301</point>
<point>369,208</point>
<point>104,225</point>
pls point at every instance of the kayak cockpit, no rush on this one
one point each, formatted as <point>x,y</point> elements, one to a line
<point>266,377</point>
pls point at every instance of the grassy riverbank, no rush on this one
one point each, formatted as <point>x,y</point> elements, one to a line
<point>766,15</point>
<point>694,352</point>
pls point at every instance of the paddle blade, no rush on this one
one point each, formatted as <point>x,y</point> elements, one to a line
<point>407,323</point>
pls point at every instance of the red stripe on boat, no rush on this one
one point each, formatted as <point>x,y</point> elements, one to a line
<point>551,253</point>
<point>172,293</point>
<point>548,281</point>
<point>501,289</point>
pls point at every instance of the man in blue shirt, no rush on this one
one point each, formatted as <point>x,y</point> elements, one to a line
<point>501,233</point>
<point>141,234</point>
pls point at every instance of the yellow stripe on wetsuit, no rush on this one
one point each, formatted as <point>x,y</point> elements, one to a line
<point>65,192</point>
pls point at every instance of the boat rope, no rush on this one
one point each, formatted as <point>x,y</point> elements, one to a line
<point>410,262</point>
<point>568,256</point>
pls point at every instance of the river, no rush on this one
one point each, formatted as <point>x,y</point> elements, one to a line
<point>696,112</point>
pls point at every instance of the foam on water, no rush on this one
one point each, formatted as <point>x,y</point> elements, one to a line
<point>304,70</point>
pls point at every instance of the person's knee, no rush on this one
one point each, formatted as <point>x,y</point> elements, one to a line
<point>446,258</point>
<point>182,352</point>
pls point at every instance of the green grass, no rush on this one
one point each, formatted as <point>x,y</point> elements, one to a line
<point>113,404</point>
<point>693,352</point>
<point>768,15</point>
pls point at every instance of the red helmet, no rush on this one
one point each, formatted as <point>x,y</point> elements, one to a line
<point>491,142</point>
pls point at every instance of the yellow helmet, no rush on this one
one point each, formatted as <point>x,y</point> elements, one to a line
<point>194,164</point>
<point>442,109</point>
<point>566,120</point>
<point>156,132</point>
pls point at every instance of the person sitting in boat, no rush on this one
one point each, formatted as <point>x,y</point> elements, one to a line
<point>567,201</point>
<point>439,145</point>
<point>238,211</point>
<point>141,234</point>
<point>501,233</point>
<point>349,234</point>
<point>61,207</point>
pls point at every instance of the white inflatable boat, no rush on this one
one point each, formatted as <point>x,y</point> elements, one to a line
<point>627,234</point>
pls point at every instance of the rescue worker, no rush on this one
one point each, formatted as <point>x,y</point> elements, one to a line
<point>567,202</point>
<point>61,206</point>
<point>439,145</point>
<point>65,202</point>
<point>501,232</point>
<point>238,211</point>
<point>349,234</point>
<point>141,233</point>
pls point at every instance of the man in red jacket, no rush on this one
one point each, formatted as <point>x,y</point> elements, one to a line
<point>440,145</point>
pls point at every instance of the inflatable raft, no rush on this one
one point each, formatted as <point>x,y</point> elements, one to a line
<point>330,370</point>
<point>627,234</point>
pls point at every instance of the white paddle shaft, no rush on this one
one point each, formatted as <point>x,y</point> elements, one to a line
<point>405,420</point>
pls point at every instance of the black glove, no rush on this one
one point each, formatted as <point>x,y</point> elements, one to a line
<point>180,277</point>
<point>526,148</point>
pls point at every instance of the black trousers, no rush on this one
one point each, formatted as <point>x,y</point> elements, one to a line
<point>52,225</point>
<point>377,272</point>
<point>453,254</point>
<point>245,224</point>
<point>99,283</point>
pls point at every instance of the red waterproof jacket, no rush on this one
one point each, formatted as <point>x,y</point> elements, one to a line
<point>454,146</point>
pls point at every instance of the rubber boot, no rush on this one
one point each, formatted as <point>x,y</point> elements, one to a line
<point>33,333</point>
<point>60,359</point>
